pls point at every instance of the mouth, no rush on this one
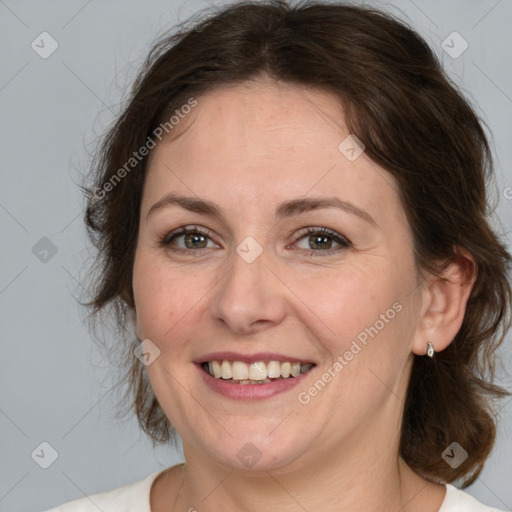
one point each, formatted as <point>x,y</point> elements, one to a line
<point>258,372</point>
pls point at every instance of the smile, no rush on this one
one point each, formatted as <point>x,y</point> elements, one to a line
<point>259,372</point>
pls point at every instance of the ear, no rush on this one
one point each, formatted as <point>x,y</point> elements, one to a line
<point>444,303</point>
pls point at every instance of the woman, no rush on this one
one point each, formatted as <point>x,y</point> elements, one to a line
<point>290,215</point>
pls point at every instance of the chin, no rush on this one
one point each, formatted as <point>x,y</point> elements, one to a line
<point>255,450</point>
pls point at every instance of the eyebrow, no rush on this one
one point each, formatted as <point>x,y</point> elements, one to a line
<point>285,209</point>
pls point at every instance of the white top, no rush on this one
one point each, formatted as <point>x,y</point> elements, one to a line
<point>135,497</point>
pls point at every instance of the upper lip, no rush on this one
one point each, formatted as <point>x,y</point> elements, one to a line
<point>251,358</point>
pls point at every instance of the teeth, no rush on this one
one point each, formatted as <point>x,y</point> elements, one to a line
<point>226,370</point>
<point>274,370</point>
<point>305,367</point>
<point>240,370</point>
<point>249,381</point>
<point>217,371</point>
<point>258,372</point>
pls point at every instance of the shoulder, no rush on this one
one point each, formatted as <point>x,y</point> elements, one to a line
<point>134,496</point>
<point>457,500</point>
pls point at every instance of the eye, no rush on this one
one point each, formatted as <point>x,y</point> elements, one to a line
<point>320,241</point>
<point>190,238</point>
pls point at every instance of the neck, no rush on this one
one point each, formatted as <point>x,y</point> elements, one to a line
<point>367,479</point>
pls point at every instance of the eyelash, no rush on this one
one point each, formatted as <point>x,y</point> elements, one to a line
<point>344,243</point>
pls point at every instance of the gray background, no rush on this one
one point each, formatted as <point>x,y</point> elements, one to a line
<point>55,383</point>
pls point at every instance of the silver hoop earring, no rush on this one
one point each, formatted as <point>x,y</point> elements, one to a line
<point>430,350</point>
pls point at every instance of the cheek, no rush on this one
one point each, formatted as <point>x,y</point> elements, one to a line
<point>155,297</point>
<point>166,297</point>
<point>361,312</point>
<point>348,299</point>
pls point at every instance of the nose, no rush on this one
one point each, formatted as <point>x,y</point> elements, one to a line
<point>250,297</point>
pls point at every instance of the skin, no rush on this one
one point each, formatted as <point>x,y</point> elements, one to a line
<point>248,148</point>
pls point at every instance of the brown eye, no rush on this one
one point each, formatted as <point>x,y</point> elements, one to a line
<point>321,240</point>
<point>188,239</point>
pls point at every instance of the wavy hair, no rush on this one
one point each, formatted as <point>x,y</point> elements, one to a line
<point>413,121</point>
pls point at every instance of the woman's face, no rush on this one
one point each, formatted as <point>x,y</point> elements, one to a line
<point>259,166</point>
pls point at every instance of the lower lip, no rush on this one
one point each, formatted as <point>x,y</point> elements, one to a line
<point>250,391</point>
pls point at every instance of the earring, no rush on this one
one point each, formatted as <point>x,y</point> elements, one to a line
<point>430,349</point>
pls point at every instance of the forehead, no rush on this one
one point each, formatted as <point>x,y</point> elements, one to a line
<point>242,117</point>
<point>266,140</point>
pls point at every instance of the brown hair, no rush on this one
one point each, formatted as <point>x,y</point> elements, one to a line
<point>412,121</point>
